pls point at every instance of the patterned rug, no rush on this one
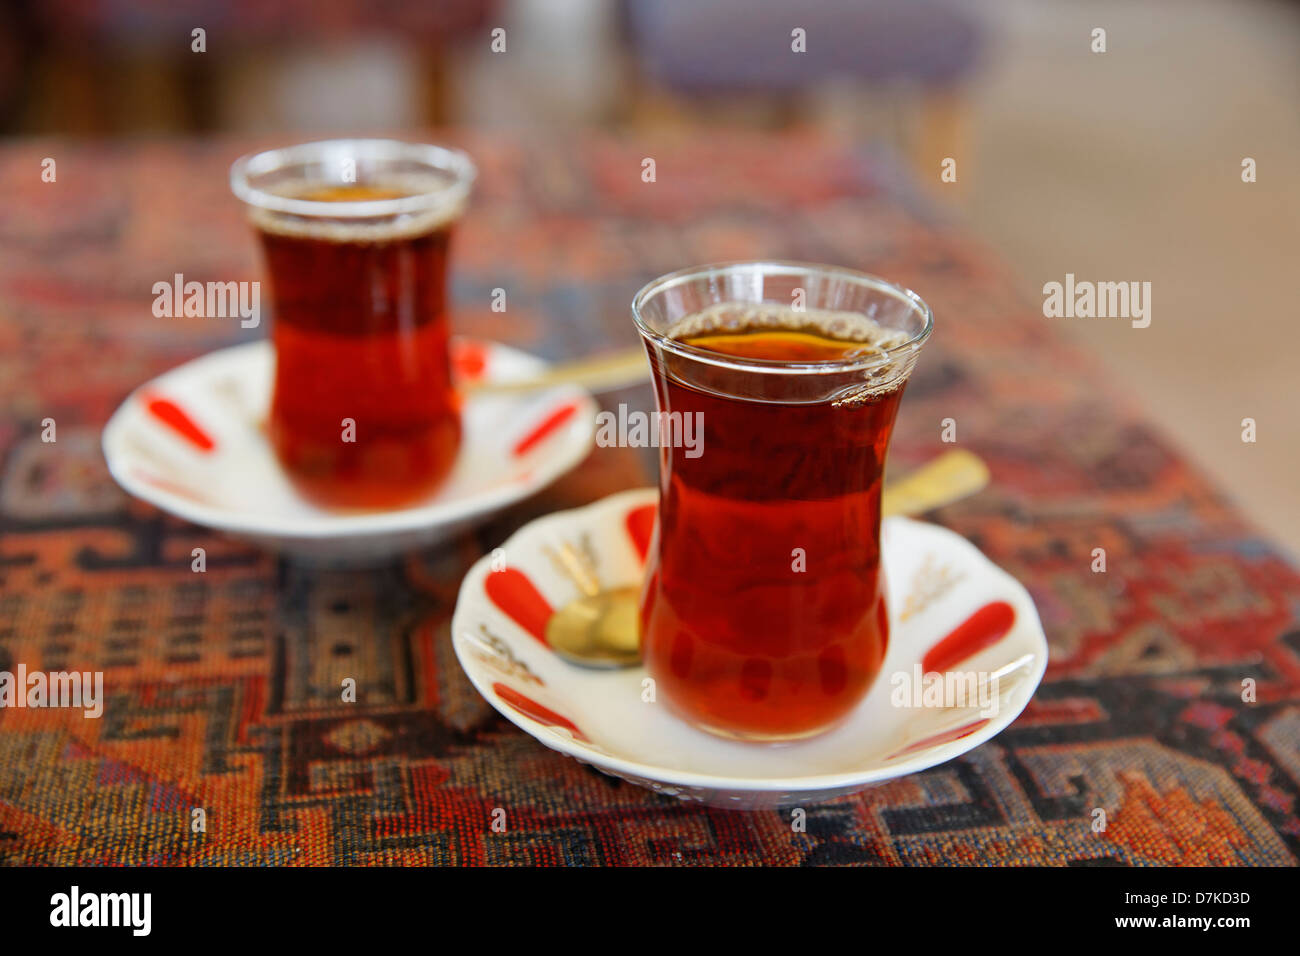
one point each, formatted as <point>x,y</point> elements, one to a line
<point>222,687</point>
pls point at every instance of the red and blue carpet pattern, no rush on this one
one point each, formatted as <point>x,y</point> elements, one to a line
<point>223,687</point>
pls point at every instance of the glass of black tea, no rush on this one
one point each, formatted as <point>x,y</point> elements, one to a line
<point>355,236</point>
<point>763,613</point>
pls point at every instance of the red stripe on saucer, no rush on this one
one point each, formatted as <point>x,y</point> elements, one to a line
<point>549,424</point>
<point>469,359</point>
<point>513,593</point>
<point>175,418</point>
<point>530,708</point>
<point>640,524</point>
<point>982,629</point>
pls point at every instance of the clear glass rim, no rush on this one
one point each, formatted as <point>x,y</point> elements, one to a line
<point>766,267</point>
<point>442,158</point>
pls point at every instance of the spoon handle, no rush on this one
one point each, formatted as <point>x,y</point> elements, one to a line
<point>604,373</point>
<point>948,478</point>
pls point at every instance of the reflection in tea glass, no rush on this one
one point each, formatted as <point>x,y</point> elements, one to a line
<point>763,614</point>
<point>355,236</point>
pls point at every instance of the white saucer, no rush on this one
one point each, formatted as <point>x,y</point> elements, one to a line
<point>936,582</point>
<point>513,446</point>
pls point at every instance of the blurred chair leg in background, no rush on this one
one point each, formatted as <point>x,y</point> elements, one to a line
<point>902,58</point>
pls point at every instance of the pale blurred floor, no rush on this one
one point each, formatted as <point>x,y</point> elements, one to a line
<point>1127,165</point>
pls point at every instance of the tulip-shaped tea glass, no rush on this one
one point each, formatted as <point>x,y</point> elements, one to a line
<point>355,234</point>
<point>763,615</point>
